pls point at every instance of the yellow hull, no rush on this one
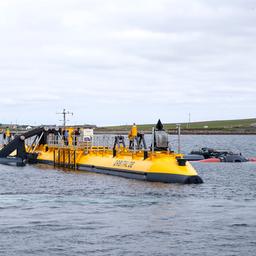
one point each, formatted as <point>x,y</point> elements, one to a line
<point>159,166</point>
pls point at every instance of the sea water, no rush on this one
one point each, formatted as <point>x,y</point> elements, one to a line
<point>46,211</point>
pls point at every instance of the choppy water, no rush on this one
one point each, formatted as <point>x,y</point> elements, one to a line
<point>53,212</point>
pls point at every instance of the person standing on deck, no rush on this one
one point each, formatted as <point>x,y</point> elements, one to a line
<point>66,137</point>
<point>132,135</point>
<point>76,135</point>
<point>4,135</point>
<point>8,135</point>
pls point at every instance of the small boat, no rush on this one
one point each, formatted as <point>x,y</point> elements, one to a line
<point>211,155</point>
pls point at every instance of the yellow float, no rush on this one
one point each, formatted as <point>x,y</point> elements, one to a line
<point>155,163</point>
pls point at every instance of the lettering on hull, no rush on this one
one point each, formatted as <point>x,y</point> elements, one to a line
<point>123,163</point>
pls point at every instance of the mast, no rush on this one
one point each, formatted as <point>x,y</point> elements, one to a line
<point>64,113</point>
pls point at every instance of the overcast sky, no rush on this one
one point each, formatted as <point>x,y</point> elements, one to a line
<point>124,61</point>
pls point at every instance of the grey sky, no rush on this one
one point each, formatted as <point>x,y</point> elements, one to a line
<point>118,61</point>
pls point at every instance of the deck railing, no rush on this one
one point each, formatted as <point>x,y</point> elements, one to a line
<point>97,143</point>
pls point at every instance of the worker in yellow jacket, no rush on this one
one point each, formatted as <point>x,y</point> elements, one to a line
<point>8,135</point>
<point>132,135</point>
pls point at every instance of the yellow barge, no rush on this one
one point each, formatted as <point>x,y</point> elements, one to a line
<point>156,163</point>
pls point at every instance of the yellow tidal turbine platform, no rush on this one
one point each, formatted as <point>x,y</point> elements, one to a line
<point>125,156</point>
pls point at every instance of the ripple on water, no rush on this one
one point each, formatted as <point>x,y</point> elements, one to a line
<point>54,212</point>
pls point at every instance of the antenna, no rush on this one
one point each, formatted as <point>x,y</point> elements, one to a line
<point>178,129</point>
<point>189,120</point>
<point>65,113</point>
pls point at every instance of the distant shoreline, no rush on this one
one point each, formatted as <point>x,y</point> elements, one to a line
<point>217,127</point>
<point>171,131</point>
<point>184,132</point>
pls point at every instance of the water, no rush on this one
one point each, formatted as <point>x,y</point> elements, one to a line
<point>54,212</point>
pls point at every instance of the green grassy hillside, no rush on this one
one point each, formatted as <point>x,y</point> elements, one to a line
<point>218,125</point>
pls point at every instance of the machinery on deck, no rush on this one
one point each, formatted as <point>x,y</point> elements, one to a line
<point>17,152</point>
<point>102,154</point>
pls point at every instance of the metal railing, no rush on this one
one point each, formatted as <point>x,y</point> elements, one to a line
<point>77,142</point>
<point>98,143</point>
